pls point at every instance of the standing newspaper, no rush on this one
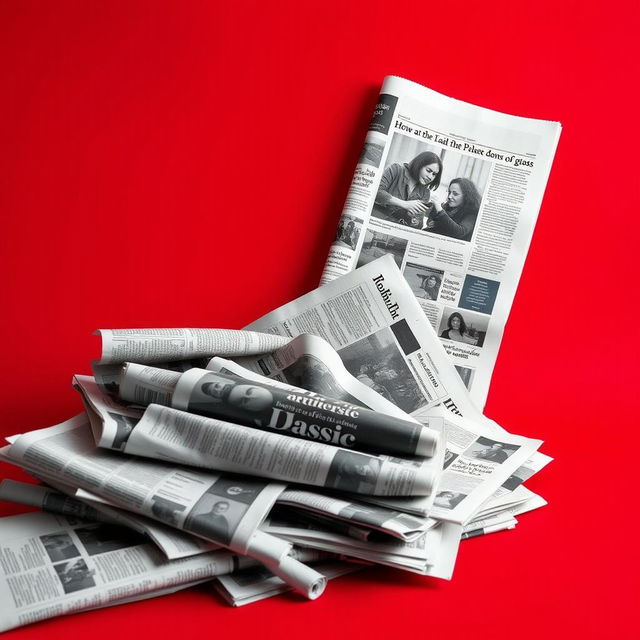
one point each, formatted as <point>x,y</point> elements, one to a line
<point>452,192</point>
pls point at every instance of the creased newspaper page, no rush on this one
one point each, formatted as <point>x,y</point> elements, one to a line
<point>172,542</point>
<point>54,565</point>
<point>374,322</point>
<point>311,363</point>
<point>452,192</point>
<point>191,439</point>
<point>387,341</point>
<point>393,523</point>
<point>226,510</point>
<point>432,554</point>
<point>161,345</point>
<point>111,420</point>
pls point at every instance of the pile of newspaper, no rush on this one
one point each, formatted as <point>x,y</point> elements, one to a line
<point>337,431</point>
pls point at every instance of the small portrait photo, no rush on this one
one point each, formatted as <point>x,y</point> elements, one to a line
<point>449,457</point>
<point>466,327</point>
<point>103,538</point>
<point>424,281</point>
<point>466,374</point>
<point>378,244</point>
<point>373,150</point>
<point>59,546</point>
<point>308,372</point>
<point>219,510</point>
<point>353,472</point>
<point>490,450</point>
<point>75,575</point>
<point>377,362</point>
<point>448,499</point>
<point>238,396</point>
<point>432,188</point>
<point>348,231</point>
<point>124,427</point>
<point>166,510</point>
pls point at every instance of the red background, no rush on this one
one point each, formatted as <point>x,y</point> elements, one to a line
<point>185,164</point>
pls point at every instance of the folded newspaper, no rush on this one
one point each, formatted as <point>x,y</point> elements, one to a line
<point>341,430</point>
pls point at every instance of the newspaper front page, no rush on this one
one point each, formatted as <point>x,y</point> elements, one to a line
<point>452,192</point>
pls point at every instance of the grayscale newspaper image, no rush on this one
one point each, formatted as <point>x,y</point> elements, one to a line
<point>452,192</point>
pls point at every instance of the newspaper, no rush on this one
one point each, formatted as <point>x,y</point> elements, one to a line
<point>292,412</point>
<point>490,525</point>
<point>309,362</point>
<point>225,510</point>
<point>107,376</point>
<point>111,421</point>
<point>255,584</point>
<point>387,339</point>
<point>504,519</point>
<point>191,439</point>
<point>393,523</point>
<point>163,345</point>
<point>338,470</point>
<point>432,554</point>
<point>173,543</point>
<point>54,565</point>
<point>452,192</point>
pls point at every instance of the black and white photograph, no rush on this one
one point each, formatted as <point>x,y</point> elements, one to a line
<point>59,546</point>
<point>377,362</point>
<point>75,575</point>
<point>308,372</point>
<point>490,450</point>
<point>378,244</point>
<point>463,326</point>
<point>124,427</point>
<point>425,282</point>
<point>466,374</point>
<point>372,150</point>
<point>233,392</point>
<point>353,472</point>
<point>449,457</point>
<point>219,510</point>
<point>348,231</point>
<point>431,188</point>
<point>103,538</point>
<point>448,499</point>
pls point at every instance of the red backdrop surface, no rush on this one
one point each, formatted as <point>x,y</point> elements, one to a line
<point>185,164</point>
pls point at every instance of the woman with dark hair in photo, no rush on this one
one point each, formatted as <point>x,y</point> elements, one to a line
<point>456,218</point>
<point>431,286</point>
<point>457,330</point>
<point>349,233</point>
<point>405,189</point>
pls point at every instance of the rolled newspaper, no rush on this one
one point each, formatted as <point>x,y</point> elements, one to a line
<point>294,412</point>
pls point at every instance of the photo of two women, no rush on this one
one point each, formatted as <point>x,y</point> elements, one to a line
<point>430,188</point>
